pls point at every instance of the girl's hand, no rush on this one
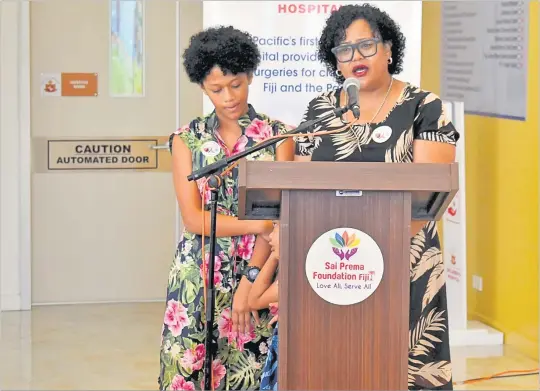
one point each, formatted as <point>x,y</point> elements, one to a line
<point>273,311</point>
<point>265,229</point>
<point>241,312</point>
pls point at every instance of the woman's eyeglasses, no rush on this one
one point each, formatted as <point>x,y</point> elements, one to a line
<point>366,48</point>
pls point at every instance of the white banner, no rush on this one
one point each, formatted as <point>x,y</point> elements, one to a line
<point>454,232</point>
<point>287,33</point>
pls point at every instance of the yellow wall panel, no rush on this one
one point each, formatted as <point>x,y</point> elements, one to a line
<point>502,199</point>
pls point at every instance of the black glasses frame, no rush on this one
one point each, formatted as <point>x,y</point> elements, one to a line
<point>356,47</point>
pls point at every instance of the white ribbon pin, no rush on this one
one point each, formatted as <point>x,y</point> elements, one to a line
<point>382,134</point>
<point>210,149</point>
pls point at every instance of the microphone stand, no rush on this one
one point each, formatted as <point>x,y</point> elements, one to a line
<point>214,182</point>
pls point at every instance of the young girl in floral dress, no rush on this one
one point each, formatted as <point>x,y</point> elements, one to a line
<point>264,294</point>
<point>222,61</point>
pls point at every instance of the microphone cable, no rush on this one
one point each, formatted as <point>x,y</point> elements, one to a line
<point>500,375</point>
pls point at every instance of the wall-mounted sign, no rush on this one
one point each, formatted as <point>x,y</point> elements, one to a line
<point>484,57</point>
<point>102,154</point>
<point>69,84</point>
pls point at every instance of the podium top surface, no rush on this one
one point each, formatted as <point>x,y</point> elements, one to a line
<point>348,176</point>
<point>432,186</point>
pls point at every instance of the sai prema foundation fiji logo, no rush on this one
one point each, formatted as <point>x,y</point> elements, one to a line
<point>345,245</point>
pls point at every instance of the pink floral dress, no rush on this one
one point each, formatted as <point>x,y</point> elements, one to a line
<point>238,362</point>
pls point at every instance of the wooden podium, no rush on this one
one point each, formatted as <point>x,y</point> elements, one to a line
<point>362,346</point>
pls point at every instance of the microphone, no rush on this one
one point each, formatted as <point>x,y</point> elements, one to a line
<point>352,87</point>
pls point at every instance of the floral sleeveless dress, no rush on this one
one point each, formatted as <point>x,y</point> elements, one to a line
<point>417,115</point>
<point>238,362</point>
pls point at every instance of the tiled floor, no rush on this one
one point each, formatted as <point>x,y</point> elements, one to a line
<point>115,347</point>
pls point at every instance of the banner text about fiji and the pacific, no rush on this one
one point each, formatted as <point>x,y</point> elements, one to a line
<point>285,58</point>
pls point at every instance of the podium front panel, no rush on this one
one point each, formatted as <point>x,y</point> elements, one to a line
<point>325,346</point>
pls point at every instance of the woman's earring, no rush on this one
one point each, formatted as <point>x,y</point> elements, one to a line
<point>338,73</point>
<point>390,61</point>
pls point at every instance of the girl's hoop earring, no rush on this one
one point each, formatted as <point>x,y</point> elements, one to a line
<point>390,61</point>
<point>338,73</point>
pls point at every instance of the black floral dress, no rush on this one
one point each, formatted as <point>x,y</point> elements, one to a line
<point>417,115</point>
<point>239,359</point>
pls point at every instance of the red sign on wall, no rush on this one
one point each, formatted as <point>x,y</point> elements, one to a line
<point>69,84</point>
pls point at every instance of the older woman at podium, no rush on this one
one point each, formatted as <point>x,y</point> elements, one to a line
<point>398,122</point>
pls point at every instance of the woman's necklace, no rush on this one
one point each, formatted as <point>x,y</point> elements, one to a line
<point>384,100</point>
<point>365,129</point>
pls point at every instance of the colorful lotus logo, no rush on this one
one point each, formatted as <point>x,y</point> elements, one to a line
<point>345,246</point>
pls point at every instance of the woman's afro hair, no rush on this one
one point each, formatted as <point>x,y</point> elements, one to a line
<point>381,24</point>
<point>232,50</point>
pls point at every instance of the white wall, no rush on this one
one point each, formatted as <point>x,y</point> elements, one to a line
<point>29,269</point>
<point>101,235</point>
<point>14,156</point>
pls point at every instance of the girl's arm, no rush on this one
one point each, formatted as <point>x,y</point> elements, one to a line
<point>189,200</point>
<point>285,151</point>
<point>264,290</point>
<point>241,316</point>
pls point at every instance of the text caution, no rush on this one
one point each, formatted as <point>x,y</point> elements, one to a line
<point>102,154</point>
